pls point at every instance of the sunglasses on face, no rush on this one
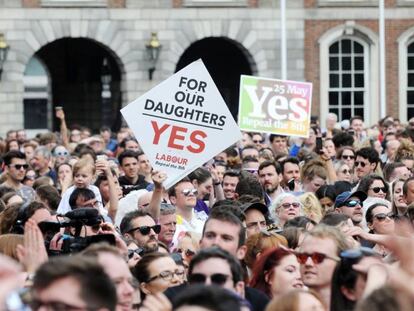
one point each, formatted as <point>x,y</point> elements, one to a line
<point>145,230</point>
<point>187,192</point>
<point>287,205</point>
<point>382,216</point>
<point>378,189</point>
<point>20,166</point>
<point>352,203</point>
<point>360,163</point>
<point>346,171</point>
<point>216,278</point>
<point>258,141</point>
<point>61,153</point>
<point>188,252</point>
<point>139,251</point>
<point>348,157</point>
<point>317,258</point>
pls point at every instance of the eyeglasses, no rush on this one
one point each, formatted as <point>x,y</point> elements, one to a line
<point>382,216</point>
<point>216,278</point>
<point>287,205</point>
<point>360,163</point>
<point>352,203</point>
<point>347,157</point>
<point>317,258</point>
<point>139,251</point>
<point>188,252</point>
<point>167,275</point>
<point>36,304</point>
<point>187,192</point>
<point>145,230</point>
<point>19,166</point>
<point>378,189</point>
<point>346,171</point>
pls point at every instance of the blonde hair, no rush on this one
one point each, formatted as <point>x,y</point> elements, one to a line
<point>8,244</point>
<point>311,206</point>
<point>83,163</point>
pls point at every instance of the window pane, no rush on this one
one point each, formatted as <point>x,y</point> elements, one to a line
<point>333,63</point>
<point>346,80</point>
<point>346,46</point>
<point>35,113</point>
<point>346,98</point>
<point>358,98</point>
<point>334,48</point>
<point>358,48</point>
<point>334,110</point>
<point>346,63</point>
<point>410,113</point>
<point>411,79</point>
<point>358,112</point>
<point>411,48</point>
<point>410,62</point>
<point>346,113</point>
<point>359,80</point>
<point>359,63</point>
<point>333,98</point>
<point>410,97</point>
<point>334,80</point>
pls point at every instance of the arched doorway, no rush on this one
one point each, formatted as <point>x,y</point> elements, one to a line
<point>85,80</point>
<point>226,60</point>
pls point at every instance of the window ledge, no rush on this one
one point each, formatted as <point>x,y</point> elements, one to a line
<point>74,3</point>
<point>347,3</point>
<point>215,3</point>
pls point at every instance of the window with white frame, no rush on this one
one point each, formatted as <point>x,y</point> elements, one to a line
<point>410,80</point>
<point>347,78</point>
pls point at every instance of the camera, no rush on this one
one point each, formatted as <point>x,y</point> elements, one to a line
<point>76,219</point>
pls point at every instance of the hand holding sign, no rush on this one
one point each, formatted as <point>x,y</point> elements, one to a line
<point>275,106</point>
<point>179,121</point>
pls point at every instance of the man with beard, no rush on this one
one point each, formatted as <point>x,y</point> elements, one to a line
<point>230,181</point>
<point>140,228</point>
<point>15,167</point>
<point>350,204</point>
<point>269,177</point>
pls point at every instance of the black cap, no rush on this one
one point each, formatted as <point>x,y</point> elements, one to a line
<point>257,206</point>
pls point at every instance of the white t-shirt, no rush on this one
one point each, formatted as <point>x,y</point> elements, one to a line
<point>64,206</point>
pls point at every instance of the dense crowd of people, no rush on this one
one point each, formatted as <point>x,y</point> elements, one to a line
<point>271,223</point>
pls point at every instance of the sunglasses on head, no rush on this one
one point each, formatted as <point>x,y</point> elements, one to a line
<point>352,203</point>
<point>216,278</point>
<point>360,163</point>
<point>378,189</point>
<point>357,253</point>
<point>348,157</point>
<point>317,258</point>
<point>145,230</point>
<point>187,192</point>
<point>382,216</point>
<point>19,166</point>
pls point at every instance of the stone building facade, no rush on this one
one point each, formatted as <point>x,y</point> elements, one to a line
<point>332,43</point>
